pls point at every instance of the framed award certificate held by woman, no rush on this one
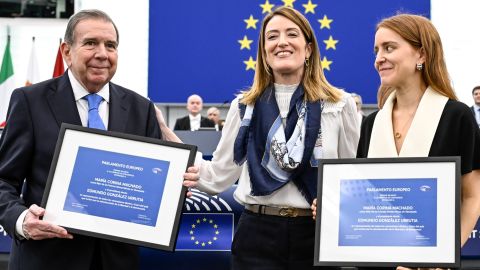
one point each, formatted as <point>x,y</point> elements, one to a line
<point>386,212</point>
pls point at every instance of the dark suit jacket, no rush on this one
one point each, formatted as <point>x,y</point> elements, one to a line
<point>472,108</point>
<point>184,123</point>
<point>26,151</point>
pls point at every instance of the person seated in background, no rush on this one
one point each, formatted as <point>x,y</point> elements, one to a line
<point>359,103</point>
<point>194,120</point>
<point>476,107</point>
<point>213,114</point>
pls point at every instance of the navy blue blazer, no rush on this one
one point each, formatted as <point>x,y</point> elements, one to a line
<point>26,150</point>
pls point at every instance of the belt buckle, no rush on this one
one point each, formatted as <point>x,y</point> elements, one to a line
<point>288,212</point>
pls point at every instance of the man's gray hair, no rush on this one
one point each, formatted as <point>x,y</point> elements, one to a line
<point>82,15</point>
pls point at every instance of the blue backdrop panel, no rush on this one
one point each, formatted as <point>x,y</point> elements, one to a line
<point>194,45</point>
<point>471,249</point>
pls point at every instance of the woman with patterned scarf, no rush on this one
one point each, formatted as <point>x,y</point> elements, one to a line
<point>273,136</point>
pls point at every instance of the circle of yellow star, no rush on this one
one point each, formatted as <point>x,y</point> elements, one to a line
<point>267,7</point>
<point>310,7</point>
<point>245,43</point>
<point>288,3</point>
<point>209,240</point>
<point>325,22</point>
<point>325,63</point>
<point>251,22</point>
<point>250,63</point>
<point>331,43</point>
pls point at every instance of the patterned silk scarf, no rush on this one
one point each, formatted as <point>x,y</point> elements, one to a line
<point>278,154</point>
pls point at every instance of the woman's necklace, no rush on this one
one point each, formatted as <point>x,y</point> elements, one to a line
<point>399,133</point>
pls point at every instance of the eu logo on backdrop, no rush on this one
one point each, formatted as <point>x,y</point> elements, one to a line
<point>208,222</point>
<point>209,47</point>
<point>206,231</point>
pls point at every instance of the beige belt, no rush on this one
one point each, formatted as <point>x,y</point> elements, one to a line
<point>278,211</point>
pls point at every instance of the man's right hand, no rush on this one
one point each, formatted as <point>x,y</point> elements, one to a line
<point>36,229</point>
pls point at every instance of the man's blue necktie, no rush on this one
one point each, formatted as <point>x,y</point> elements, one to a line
<point>94,120</point>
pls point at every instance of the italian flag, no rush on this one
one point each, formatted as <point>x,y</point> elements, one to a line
<point>6,83</point>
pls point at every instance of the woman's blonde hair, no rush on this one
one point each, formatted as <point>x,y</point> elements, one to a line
<point>420,33</point>
<point>314,82</point>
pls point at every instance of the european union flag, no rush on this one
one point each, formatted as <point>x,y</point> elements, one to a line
<point>205,232</point>
<point>208,47</point>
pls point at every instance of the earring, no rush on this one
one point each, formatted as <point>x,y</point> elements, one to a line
<point>419,66</point>
<point>307,62</point>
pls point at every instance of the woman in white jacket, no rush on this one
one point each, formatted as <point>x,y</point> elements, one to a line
<point>273,136</point>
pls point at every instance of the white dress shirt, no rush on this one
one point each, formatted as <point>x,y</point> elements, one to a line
<point>82,105</point>
<point>195,122</point>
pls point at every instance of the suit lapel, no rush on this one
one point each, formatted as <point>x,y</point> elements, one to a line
<point>187,124</point>
<point>62,102</point>
<point>118,109</point>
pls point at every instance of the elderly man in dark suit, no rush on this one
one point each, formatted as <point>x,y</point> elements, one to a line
<point>476,107</point>
<point>27,145</point>
<point>213,113</point>
<point>194,120</point>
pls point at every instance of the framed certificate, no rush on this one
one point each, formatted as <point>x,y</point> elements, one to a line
<point>117,186</point>
<point>386,212</point>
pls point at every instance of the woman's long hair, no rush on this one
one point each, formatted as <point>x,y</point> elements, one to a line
<point>420,33</point>
<point>314,82</point>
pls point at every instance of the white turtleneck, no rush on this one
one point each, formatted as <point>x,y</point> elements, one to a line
<point>283,94</point>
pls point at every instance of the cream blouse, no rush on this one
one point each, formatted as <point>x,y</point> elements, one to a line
<point>339,126</point>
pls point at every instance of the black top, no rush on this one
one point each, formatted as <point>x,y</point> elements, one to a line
<point>457,135</point>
